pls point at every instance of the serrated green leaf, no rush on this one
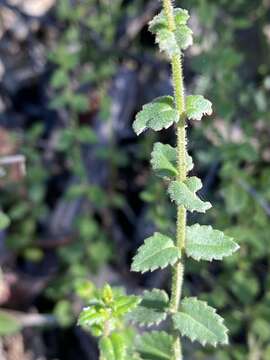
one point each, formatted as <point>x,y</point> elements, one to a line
<point>157,23</point>
<point>152,309</point>
<point>106,349</point>
<point>160,21</point>
<point>164,37</point>
<point>4,221</point>
<point>156,345</point>
<point>119,346</point>
<point>183,193</point>
<point>172,42</point>
<point>158,251</point>
<point>183,35</point>
<point>198,321</point>
<point>193,183</point>
<point>197,106</point>
<point>164,160</point>
<point>181,16</point>
<point>92,315</point>
<point>125,303</point>
<point>113,347</point>
<point>205,243</point>
<point>167,42</point>
<point>157,115</point>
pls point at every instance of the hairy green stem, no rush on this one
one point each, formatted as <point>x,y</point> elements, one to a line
<point>178,84</point>
<point>177,349</point>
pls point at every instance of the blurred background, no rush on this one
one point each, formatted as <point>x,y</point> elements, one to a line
<point>73,74</point>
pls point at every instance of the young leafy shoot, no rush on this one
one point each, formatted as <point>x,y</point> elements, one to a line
<point>172,41</point>
<point>104,316</point>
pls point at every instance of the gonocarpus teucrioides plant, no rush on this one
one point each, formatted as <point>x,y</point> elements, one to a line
<point>189,316</point>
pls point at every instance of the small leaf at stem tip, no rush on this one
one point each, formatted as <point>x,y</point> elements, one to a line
<point>164,160</point>
<point>183,193</point>
<point>197,106</point>
<point>167,42</point>
<point>181,16</point>
<point>157,115</point>
<point>155,345</point>
<point>205,243</point>
<point>158,251</point>
<point>199,321</point>
<point>160,20</point>
<point>172,42</point>
<point>152,309</point>
<point>183,35</point>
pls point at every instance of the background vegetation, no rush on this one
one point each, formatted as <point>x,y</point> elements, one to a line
<point>73,75</point>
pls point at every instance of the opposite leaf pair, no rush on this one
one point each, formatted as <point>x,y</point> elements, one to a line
<point>202,243</point>
<point>161,112</point>
<point>195,319</point>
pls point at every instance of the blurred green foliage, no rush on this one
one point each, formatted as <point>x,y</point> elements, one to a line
<point>104,317</point>
<point>9,325</point>
<point>31,209</point>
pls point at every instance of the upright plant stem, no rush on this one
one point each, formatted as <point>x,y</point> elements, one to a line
<point>178,84</point>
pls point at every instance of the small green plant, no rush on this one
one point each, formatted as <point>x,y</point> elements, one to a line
<point>104,317</point>
<point>189,316</point>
